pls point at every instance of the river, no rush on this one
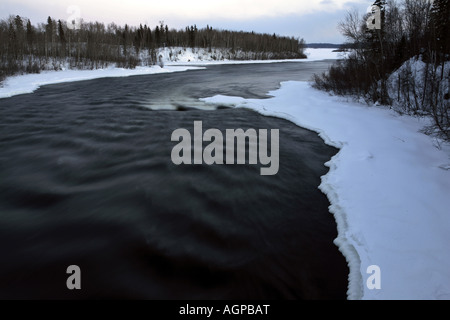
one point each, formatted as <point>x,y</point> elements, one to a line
<point>86,179</point>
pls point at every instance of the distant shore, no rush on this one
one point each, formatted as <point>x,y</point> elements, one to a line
<point>28,83</point>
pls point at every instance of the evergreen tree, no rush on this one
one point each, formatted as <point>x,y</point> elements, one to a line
<point>125,40</point>
<point>30,36</point>
<point>12,50</point>
<point>49,36</point>
<point>20,36</point>
<point>62,38</point>
<point>158,36</point>
<point>192,36</point>
<point>166,32</point>
<point>162,33</point>
<point>148,37</point>
<point>440,17</point>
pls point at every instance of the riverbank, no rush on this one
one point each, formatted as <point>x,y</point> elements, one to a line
<point>388,190</point>
<point>28,83</point>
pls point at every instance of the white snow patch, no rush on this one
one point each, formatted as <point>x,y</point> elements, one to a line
<point>224,100</point>
<point>412,75</point>
<point>388,187</point>
<point>323,54</point>
<point>199,56</point>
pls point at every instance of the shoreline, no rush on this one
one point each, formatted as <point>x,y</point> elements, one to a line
<point>28,83</point>
<point>387,189</point>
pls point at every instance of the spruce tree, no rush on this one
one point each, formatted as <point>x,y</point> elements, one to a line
<point>30,36</point>
<point>440,17</point>
<point>62,38</point>
<point>158,37</point>
<point>20,31</point>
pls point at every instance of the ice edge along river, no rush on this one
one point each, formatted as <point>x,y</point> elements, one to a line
<point>388,186</point>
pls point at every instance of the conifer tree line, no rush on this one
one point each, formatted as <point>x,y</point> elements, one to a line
<point>25,47</point>
<point>411,31</point>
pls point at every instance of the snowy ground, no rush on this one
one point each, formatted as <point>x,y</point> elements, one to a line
<point>203,57</point>
<point>388,187</point>
<point>186,61</point>
<point>28,83</point>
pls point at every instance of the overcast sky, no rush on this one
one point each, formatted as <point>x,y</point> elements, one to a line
<point>313,20</point>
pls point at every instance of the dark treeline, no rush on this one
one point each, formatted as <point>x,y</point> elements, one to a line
<point>25,47</point>
<point>413,32</point>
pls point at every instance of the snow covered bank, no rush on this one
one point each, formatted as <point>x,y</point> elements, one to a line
<point>28,83</point>
<point>323,54</point>
<point>187,60</point>
<point>417,86</point>
<point>199,56</point>
<point>388,187</point>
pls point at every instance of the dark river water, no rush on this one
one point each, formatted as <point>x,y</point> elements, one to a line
<point>86,179</point>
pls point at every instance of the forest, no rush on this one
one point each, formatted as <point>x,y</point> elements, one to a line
<point>28,48</point>
<point>404,64</point>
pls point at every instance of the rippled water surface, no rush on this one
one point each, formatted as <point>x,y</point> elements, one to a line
<point>86,179</point>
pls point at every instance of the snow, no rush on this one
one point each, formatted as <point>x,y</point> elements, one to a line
<point>323,54</point>
<point>28,83</point>
<point>412,75</point>
<point>188,56</point>
<point>388,187</point>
